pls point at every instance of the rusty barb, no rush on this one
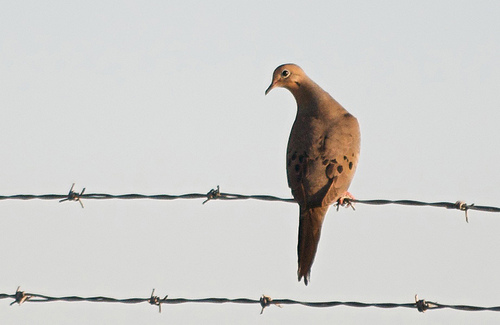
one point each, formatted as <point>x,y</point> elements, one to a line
<point>74,196</point>
<point>423,305</point>
<point>266,301</point>
<point>462,206</point>
<point>155,300</point>
<point>212,194</point>
<point>20,297</point>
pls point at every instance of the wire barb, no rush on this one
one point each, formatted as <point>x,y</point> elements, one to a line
<point>462,206</point>
<point>74,196</point>
<point>155,300</point>
<point>20,297</point>
<point>422,305</point>
<point>213,194</point>
<point>265,301</point>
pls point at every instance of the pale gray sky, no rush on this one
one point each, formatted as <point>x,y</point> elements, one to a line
<point>162,97</point>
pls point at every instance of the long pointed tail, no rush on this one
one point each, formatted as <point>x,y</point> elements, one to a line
<point>310,224</point>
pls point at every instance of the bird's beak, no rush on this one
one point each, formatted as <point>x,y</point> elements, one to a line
<point>273,84</point>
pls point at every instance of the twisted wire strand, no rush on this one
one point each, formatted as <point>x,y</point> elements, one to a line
<point>21,297</point>
<point>216,194</point>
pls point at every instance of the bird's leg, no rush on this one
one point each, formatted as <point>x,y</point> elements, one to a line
<point>345,200</point>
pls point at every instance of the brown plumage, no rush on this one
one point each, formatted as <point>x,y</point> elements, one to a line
<point>322,156</point>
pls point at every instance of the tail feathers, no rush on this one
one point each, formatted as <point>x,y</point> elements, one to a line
<point>310,224</point>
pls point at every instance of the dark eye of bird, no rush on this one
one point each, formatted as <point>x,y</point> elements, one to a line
<point>285,73</point>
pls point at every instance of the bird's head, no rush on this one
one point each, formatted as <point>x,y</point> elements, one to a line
<point>288,76</point>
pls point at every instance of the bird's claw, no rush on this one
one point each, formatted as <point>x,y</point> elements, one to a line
<point>346,200</point>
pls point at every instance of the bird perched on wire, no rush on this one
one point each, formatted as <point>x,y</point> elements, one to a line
<point>321,158</point>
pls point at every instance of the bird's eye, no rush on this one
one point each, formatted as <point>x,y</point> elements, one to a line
<point>285,73</point>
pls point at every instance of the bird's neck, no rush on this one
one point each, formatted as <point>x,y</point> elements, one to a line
<point>312,100</point>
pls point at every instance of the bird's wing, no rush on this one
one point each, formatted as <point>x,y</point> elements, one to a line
<point>320,169</point>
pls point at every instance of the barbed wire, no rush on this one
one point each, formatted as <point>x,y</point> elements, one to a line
<point>421,305</point>
<point>216,194</point>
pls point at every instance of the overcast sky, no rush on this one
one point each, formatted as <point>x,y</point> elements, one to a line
<point>162,97</point>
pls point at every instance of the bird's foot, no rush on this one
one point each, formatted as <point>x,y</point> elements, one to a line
<point>345,200</point>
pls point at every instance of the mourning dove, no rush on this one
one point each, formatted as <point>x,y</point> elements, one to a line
<point>321,158</point>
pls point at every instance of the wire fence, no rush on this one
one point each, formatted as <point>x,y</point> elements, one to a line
<point>21,297</point>
<point>421,305</point>
<point>216,194</point>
